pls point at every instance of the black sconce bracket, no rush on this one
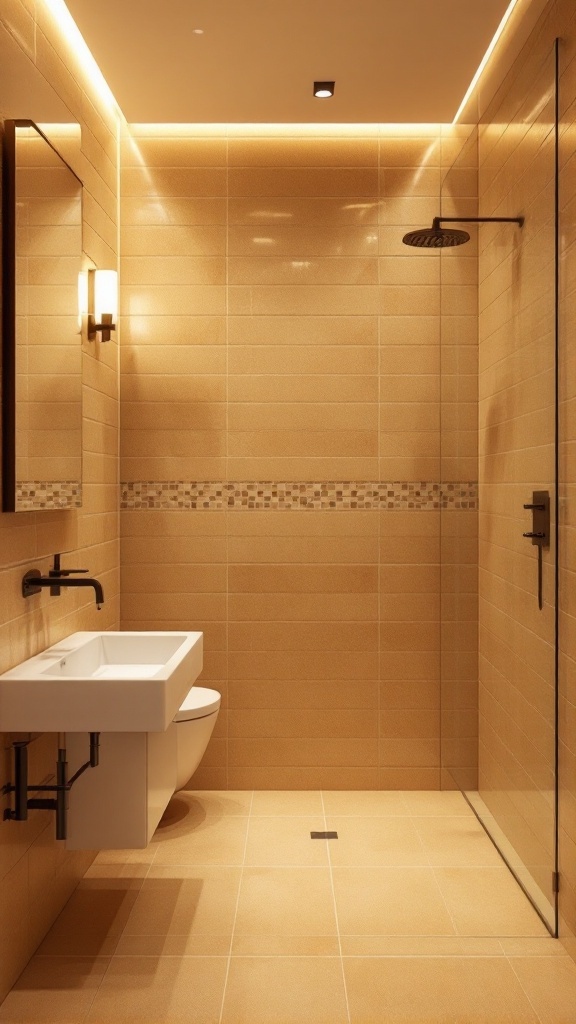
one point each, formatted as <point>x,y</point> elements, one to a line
<point>105,328</point>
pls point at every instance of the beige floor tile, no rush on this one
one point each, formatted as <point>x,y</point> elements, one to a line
<point>211,840</point>
<point>418,945</point>
<point>285,901</point>
<point>550,986</point>
<point>173,945</point>
<point>456,841</point>
<point>186,901</point>
<point>546,946</point>
<point>392,841</point>
<point>92,920</point>
<point>424,802</point>
<point>390,901</point>
<point>54,990</point>
<point>284,990</point>
<point>365,803</point>
<point>284,841</point>
<point>280,802</point>
<point>126,857</point>
<point>487,901</point>
<point>435,929</point>
<point>449,990</point>
<point>214,801</point>
<point>285,945</point>
<point>160,990</point>
<point>131,875</point>
<point>187,810</point>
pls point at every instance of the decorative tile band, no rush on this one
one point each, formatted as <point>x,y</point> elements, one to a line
<point>322,495</point>
<point>42,494</point>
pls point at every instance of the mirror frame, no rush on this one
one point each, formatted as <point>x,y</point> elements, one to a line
<point>9,306</point>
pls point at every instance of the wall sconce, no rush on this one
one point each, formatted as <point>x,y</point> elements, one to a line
<point>102,303</point>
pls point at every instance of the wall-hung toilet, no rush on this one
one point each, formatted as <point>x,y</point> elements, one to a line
<point>194,722</point>
<point>120,805</point>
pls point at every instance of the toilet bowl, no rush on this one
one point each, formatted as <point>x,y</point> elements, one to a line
<point>194,724</point>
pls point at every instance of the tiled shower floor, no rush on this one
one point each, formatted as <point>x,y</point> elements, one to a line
<point>235,915</point>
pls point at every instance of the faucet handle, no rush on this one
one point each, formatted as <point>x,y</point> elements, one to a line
<point>65,572</point>
<point>57,571</point>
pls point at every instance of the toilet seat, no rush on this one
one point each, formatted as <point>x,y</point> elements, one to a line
<point>198,703</point>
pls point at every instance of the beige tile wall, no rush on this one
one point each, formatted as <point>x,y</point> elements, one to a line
<point>516,161</point>
<point>36,874</point>
<point>276,329</point>
<point>459,460</point>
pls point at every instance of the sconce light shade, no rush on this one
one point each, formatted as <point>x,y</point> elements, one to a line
<point>102,303</point>
<point>82,299</point>
<point>324,90</point>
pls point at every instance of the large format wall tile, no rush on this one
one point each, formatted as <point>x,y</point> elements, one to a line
<point>37,875</point>
<point>282,441</point>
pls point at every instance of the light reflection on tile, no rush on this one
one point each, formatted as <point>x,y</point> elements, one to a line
<point>373,910</point>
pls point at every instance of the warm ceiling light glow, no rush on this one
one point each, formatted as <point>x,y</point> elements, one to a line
<point>292,129</point>
<point>77,44</point>
<point>198,31</point>
<point>485,59</point>
<point>60,128</point>
<point>323,90</point>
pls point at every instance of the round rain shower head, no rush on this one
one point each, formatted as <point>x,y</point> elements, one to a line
<point>436,238</point>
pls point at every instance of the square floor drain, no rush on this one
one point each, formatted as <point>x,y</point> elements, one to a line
<point>323,835</point>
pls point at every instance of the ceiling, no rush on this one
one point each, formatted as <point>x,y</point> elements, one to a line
<point>256,60</point>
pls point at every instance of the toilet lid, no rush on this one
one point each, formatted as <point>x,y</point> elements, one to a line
<point>199,702</point>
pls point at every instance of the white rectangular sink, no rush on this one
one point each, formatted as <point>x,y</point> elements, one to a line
<point>109,682</point>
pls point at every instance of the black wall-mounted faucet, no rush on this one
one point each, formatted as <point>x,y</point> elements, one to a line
<point>33,581</point>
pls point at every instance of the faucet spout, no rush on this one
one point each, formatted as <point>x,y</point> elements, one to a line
<point>33,582</point>
<point>72,581</point>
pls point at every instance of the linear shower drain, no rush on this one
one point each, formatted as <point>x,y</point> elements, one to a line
<point>323,835</point>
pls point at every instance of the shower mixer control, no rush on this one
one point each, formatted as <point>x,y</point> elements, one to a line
<point>540,532</point>
<point>540,508</point>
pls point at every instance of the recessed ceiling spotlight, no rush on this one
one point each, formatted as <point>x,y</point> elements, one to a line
<point>324,90</point>
<point>198,31</point>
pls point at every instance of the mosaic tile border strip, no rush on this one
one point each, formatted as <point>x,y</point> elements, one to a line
<point>41,494</point>
<point>281,495</point>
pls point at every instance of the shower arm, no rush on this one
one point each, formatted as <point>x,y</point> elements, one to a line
<point>475,220</point>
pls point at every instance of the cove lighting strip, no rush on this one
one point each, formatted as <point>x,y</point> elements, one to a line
<point>78,45</point>
<point>485,59</point>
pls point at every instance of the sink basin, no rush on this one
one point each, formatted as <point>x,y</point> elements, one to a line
<point>109,682</point>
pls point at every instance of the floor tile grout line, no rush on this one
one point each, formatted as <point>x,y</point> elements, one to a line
<point>113,954</point>
<point>528,999</point>
<point>422,846</point>
<point>96,991</point>
<point>434,954</point>
<point>225,985</point>
<point>147,866</point>
<point>445,903</point>
<point>341,958</point>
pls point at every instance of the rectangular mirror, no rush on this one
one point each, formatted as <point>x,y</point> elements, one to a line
<point>41,344</point>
